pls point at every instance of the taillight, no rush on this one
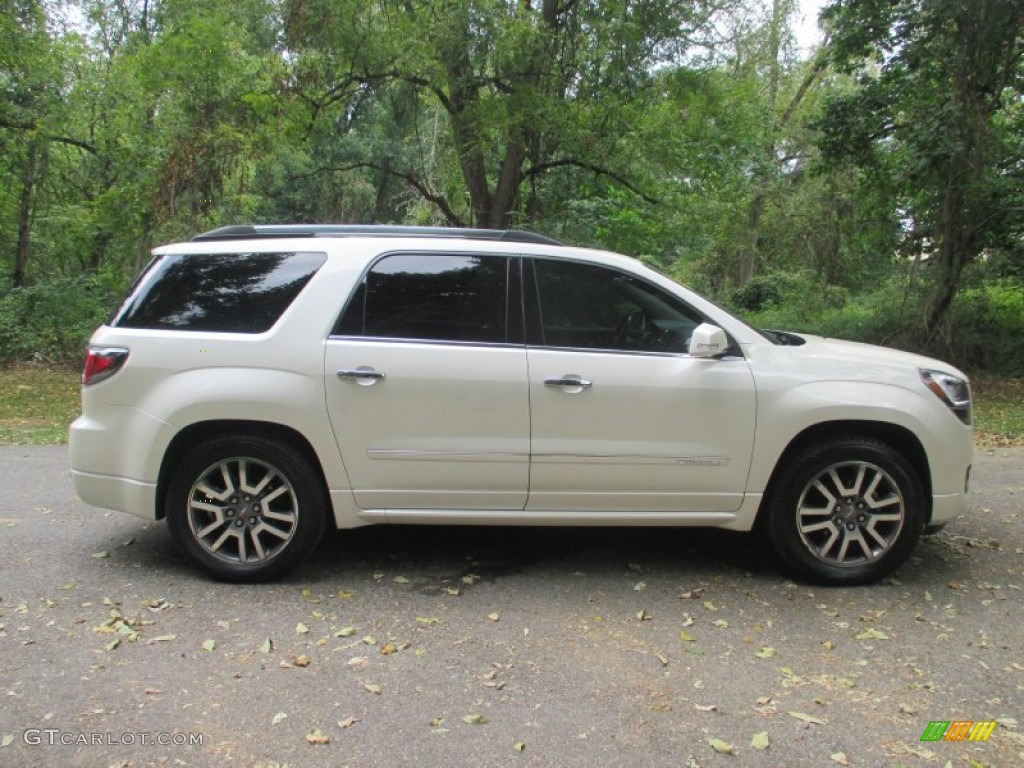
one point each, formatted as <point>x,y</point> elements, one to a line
<point>102,363</point>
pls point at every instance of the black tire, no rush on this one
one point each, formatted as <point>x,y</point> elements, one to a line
<point>863,510</point>
<point>245,508</point>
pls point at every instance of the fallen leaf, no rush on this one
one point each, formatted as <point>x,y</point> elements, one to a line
<point>764,700</point>
<point>278,718</point>
<point>346,632</point>
<point>112,645</point>
<point>760,740</point>
<point>640,586</point>
<point>722,747</point>
<point>268,646</point>
<point>346,595</point>
<point>317,737</point>
<point>685,636</point>
<point>706,707</point>
<point>152,691</point>
<point>7,740</point>
<point>301,629</point>
<point>436,722</point>
<point>720,623</point>
<point>872,634</point>
<point>643,615</point>
<point>840,757</point>
<point>209,645</point>
<point>300,661</point>
<point>710,606</point>
<point>401,580</point>
<point>162,639</point>
<point>370,640</point>
<point>100,555</point>
<point>907,710</point>
<point>828,645</point>
<point>388,648</point>
<point>519,746</point>
<point>474,719</point>
<point>372,688</point>
<point>454,591</point>
<point>766,652</point>
<point>427,620</point>
<point>807,718</point>
<point>494,616</point>
<point>348,722</point>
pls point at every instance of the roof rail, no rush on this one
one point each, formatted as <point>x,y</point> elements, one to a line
<point>249,231</point>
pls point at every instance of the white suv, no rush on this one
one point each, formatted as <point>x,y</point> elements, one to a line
<point>261,383</point>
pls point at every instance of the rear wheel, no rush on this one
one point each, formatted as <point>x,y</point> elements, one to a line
<point>847,511</point>
<point>245,508</point>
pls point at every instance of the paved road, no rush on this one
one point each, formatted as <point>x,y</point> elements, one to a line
<point>566,644</point>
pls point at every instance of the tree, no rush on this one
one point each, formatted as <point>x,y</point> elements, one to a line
<point>528,90</point>
<point>933,77</point>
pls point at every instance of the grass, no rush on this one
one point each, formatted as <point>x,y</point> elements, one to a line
<point>998,411</point>
<point>37,403</point>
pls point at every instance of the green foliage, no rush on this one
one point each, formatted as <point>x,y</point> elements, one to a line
<point>698,143</point>
<point>52,321</point>
<point>986,327</point>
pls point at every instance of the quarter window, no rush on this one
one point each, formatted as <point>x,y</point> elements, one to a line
<point>431,297</point>
<point>226,292</point>
<point>592,307</point>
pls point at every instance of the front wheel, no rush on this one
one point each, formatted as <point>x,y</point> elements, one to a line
<point>847,511</point>
<point>245,508</point>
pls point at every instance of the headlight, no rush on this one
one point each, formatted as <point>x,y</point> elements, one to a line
<point>952,390</point>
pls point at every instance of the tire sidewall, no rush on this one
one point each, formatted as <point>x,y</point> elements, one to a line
<point>290,463</point>
<point>782,511</point>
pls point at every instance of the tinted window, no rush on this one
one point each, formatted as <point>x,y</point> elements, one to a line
<point>591,307</point>
<point>434,297</point>
<point>233,292</point>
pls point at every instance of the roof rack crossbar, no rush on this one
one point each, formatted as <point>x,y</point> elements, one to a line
<point>250,231</point>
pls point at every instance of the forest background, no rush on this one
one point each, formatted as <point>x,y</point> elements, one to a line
<point>870,188</point>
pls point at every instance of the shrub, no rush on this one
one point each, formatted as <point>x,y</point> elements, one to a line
<point>51,321</point>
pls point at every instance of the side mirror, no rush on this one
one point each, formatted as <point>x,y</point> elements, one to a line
<point>708,341</point>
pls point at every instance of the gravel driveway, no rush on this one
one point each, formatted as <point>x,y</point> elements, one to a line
<point>500,647</point>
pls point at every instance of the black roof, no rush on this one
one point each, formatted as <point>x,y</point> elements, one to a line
<point>250,231</point>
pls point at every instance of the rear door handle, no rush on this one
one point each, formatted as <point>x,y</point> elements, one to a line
<point>569,381</point>
<point>363,375</point>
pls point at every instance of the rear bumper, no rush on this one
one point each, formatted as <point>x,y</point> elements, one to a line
<point>120,493</point>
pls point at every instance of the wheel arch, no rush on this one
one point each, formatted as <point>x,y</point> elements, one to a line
<point>899,437</point>
<point>204,430</point>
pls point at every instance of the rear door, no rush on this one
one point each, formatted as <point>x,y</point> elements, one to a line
<point>426,384</point>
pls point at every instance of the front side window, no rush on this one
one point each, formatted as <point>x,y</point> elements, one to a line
<point>217,292</point>
<point>585,306</point>
<point>431,297</point>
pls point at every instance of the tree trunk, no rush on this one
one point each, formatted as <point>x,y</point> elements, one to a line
<point>25,215</point>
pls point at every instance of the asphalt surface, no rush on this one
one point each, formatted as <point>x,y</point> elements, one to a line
<point>462,646</point>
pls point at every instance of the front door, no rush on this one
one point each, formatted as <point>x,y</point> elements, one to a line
<point>623,419</point>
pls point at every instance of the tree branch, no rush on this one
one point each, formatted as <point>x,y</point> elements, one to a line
<point>542,168</point>
<point>26,127</point>
<point>411,179</point>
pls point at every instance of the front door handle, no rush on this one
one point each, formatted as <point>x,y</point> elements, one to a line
<point>570,382</point>
<point>363,375</point>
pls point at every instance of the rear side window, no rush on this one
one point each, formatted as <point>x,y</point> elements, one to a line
<point>431,297</point>
<point>225,292</point>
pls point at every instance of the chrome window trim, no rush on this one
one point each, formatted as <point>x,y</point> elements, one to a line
<point>576,350</point>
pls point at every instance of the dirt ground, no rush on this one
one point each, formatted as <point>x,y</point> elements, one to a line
<point>500,647</point>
